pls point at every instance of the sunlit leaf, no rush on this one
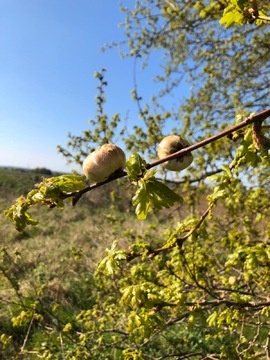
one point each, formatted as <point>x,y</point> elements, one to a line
<point>154,194</point>
<point>135,167</point>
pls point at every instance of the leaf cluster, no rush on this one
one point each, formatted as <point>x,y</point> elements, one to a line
<point>241,12</point>
<point>50,192</point>
<point>151,193</point>
<point>190,39</point>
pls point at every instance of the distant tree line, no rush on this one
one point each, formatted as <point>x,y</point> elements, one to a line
<point>42,170</point>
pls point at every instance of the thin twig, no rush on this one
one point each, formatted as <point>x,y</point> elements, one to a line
<point>154,252</point>
<point>62,345</point>
<point>249,120</point>
<point>27,334</point>
<point>180,240</point>
<point>267,345</point>
<point>265,18</point>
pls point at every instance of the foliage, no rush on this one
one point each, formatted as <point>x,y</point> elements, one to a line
<point>192,280</point>
<point>50,192</point>
<point>227,69</point>
<point>150,192</point>
<point>241,12</point>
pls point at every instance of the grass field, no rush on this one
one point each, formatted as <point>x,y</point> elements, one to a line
<point>51,265</point>
<point>49,283</point>
<point>55,260</point>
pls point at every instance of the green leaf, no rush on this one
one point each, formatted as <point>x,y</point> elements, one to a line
<point>18,214</point>
<point>234,14</point>
<point>63,183</point>
<point>212,319</point>
<point>227,170</point>
<point>111,262</point>
<point>135,167</point>
<point>231,17</point>
<point>154,194</point>
<point>141,201</point>
<point>50,192</point>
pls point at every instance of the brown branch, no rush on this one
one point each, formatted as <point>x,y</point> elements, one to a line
<point>265,18</point>
<point>208,305</point>
<point>154,252</point>
<point>249,120</point>
<point>180,240</point>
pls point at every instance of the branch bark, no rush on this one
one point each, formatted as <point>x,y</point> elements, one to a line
<point>249,120</point>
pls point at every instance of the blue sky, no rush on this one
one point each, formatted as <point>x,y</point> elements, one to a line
<point>50,50</point>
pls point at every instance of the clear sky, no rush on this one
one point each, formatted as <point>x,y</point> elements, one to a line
<point>49,51</point>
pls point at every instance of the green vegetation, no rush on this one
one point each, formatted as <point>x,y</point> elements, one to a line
<point>47,272</point>
<point>93,280</point>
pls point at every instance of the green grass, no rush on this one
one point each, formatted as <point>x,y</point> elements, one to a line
<point>15,182</point>
<point>47,271</point>
<point>55,260</point>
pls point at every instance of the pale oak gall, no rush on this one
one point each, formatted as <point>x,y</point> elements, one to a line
<point>103,162</point>
<point>171,144</point>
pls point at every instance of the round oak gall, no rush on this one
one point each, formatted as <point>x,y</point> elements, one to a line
<point>171,144</point>
<point>103,162</point>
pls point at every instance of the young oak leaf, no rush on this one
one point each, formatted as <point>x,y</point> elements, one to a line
<point>135,167</point>
<point>152,193</point>
<point>52,188</point>
<point>110,263</point>
<point>18,214</point>
<point>49,192</point>
<point>141,201</point>
<point>231,17</point>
